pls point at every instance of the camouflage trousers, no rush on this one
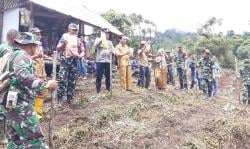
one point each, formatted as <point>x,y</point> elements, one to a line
<point>182,73</point>
<point>3,115</point>
<point>207,87</point>
<point>246,93</point>
<point>23,128</point>
<point>68,75</point>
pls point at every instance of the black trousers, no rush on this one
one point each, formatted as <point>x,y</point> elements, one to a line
<point>170,75</point>
<point>207,87</point>
<point>102,68</point>
<point>181,77</point>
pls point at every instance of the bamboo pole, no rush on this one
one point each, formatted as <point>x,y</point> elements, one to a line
<point>53,100</point>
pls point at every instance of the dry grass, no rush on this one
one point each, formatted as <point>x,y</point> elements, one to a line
<point>152,119</point>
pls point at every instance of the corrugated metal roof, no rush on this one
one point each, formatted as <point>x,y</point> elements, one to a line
<point>77,11</point>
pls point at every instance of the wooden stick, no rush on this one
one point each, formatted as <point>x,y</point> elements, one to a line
<point>111,76</point>
<point>53,99</point>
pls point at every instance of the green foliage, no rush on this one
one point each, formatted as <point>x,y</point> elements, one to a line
<point>227,61</point>
<point>119,20</point>
<point>243,52</point>
<point>224,47</point>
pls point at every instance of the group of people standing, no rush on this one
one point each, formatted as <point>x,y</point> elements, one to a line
<point>29,85</point>
<point>205,72</point>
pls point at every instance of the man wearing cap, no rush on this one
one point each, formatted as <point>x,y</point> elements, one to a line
<point>104,49</point>
<point>39,68</point>
<point>6,50</point>
<point>124,54</point>
<point>245,75</point>
<point>23,125</point>
<point>170,73</point>
<point>206,65</point>
<point>143,62</point>
<point>69,45</point>
<point>180,60</point>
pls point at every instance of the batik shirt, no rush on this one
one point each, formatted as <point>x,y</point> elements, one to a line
<point>103,55</point>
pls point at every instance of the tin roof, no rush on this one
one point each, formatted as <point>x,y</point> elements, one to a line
<point>78,11</point>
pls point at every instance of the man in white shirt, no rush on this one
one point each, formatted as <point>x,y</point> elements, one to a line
<point>104,49</point>
<point>70,45</point>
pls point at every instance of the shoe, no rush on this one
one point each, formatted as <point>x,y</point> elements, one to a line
<point>84,78</point>
<point>69,101</point>
<point>205,98</point>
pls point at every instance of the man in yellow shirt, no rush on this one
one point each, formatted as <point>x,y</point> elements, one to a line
<point>39,70</point>
<point>124,54</point>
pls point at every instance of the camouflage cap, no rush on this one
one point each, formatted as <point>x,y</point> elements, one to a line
<point>168,51</point>
<point>143,42</point>
<point>207,51</point>
<point>26,38</point>
<point>73,26</point>
<point>247,61</point>
<point>179,46</point>
<point>35,30</point>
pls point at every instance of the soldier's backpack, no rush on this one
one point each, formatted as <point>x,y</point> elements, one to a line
<point>4,74</point>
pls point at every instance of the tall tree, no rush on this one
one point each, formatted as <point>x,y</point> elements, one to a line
<point>119,20</point>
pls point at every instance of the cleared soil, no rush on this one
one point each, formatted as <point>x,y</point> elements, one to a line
<point>170,119</point>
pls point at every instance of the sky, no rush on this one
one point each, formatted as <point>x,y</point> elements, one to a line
<point>185,15</point>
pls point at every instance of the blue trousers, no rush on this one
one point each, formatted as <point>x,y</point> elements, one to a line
<point>144,80</point>
<point>215,86</point>
<point>83,67</point>
<point>102,68</point>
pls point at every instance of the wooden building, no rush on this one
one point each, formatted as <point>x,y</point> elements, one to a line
<point>51,16</point>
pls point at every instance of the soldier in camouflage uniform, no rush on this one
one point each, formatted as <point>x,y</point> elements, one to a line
<point>170,73</point>
<point>206,66</point>
<point>180,60</point>
<point>245,75</point>
<point>69,70</point>
<point>23,127</point>
<point>10,44</point>
<point>4,49</point>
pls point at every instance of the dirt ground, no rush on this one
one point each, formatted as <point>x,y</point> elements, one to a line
<point>152,119</point>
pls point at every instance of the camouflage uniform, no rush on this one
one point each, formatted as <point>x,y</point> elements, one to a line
<point>170,73</point>
<point>245,75</point>
<point>4,48</point>
<point>22,122</point>
<point>69,72</point>
<point>206,66</point>
<point>180,63</point>
<point>69,69</point>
